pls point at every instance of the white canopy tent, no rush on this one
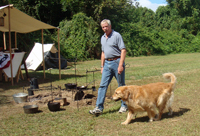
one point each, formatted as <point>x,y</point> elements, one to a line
<point>34,59</point>
<point>16,21</point>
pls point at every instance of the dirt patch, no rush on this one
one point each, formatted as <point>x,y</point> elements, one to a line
<point>75,99</point>
<point>41,98</point>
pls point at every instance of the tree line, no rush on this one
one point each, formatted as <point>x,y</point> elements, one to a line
<point>171,29</point>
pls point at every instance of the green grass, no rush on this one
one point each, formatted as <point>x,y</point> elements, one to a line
<point>72,121</point>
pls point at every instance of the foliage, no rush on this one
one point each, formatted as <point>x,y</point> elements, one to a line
<point>47,11</point>
<point>171,29</point>
<point>79,37</point>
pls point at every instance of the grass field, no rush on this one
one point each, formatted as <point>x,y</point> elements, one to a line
<point>75,122</point>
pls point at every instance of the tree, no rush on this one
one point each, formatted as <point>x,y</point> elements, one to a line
<point>79,37</point>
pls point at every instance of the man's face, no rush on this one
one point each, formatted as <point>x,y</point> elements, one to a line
<point>106,28</point>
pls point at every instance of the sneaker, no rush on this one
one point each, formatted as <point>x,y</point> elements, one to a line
<point>122,109</point>
<point>96,111</point>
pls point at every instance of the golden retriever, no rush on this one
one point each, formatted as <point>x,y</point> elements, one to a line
<point>149,98</point>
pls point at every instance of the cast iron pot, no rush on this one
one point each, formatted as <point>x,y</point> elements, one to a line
<point>53,106</point>
<point>70,85</point>
<point>30,109</point>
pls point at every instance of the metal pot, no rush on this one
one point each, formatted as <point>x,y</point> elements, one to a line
<point>34,83</point>
<point>79,95</point>
<point>81,87</point>
<point>30,109</point>
<point>93,88</point>
<point>54,106</point>
<point>20,97</point>
<point>84,87</point>
<point>30,92</point>
<point>70,85</point>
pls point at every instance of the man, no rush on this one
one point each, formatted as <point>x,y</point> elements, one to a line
<point>112,64</point>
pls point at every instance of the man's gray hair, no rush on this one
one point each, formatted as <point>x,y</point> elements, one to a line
<point>106,21</point>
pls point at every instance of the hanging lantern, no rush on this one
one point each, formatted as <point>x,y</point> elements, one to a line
<point>1,21</point>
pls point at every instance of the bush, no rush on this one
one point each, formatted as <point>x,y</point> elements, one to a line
<point>79,37</point>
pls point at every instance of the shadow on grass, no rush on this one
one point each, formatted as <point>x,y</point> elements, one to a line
<point>146,118</point>
<point>61,109</point>
<point>40,79</point>
<point>164,115</point>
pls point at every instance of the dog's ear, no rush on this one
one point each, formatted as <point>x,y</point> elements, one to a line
<point>125,92</point>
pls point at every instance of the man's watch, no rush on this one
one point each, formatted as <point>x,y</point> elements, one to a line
<point>101,66</point>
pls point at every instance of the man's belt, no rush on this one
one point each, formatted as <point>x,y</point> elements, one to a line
<point>111,59</point>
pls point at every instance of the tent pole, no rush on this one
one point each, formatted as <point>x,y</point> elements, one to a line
<point>59,55</point>
<point>43,55</point>
<point>10,48</point>
<point>4,40</point>
<point>15,39</point>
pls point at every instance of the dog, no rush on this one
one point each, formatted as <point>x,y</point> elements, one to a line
<point>151,98</point>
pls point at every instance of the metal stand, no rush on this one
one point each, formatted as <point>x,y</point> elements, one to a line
<point>93,87</point>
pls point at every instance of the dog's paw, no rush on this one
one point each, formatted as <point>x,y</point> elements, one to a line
<point>124,123</point>
<point>151,120</point>
<point>156,118</point>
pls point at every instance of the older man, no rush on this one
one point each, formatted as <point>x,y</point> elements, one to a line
<point>112,64</point>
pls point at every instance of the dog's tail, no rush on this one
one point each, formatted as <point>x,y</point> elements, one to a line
<point>170,76</point>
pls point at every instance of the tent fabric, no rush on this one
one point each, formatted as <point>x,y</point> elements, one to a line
<point>51,60</point>
<point>20,22</point>
<point>34,59</point>
<point>16,62</point>
<point>4,60</point>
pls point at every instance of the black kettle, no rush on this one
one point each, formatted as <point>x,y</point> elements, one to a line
<point>34,83</point>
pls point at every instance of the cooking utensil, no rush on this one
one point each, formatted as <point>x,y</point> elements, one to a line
<point>34,83</point>
<point>84,87</point>
<point>30,109</point>
<point>93,88</point>
<point>30,92</point>
<point>53,106</point>
<point>79,95</point>
<point>20,97</point>
<point>81,87</point>
<point>70,85</point>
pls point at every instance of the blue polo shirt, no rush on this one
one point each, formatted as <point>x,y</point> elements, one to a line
<point>113,45</point>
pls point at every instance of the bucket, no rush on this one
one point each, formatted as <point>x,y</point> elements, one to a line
<point>30,92</point>
<point>34,83</point>
<point>20,97</point>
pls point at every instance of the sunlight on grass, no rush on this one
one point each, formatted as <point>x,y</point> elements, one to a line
<point>139,70</point>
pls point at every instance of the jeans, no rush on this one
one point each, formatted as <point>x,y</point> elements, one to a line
<point>110,69</point>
